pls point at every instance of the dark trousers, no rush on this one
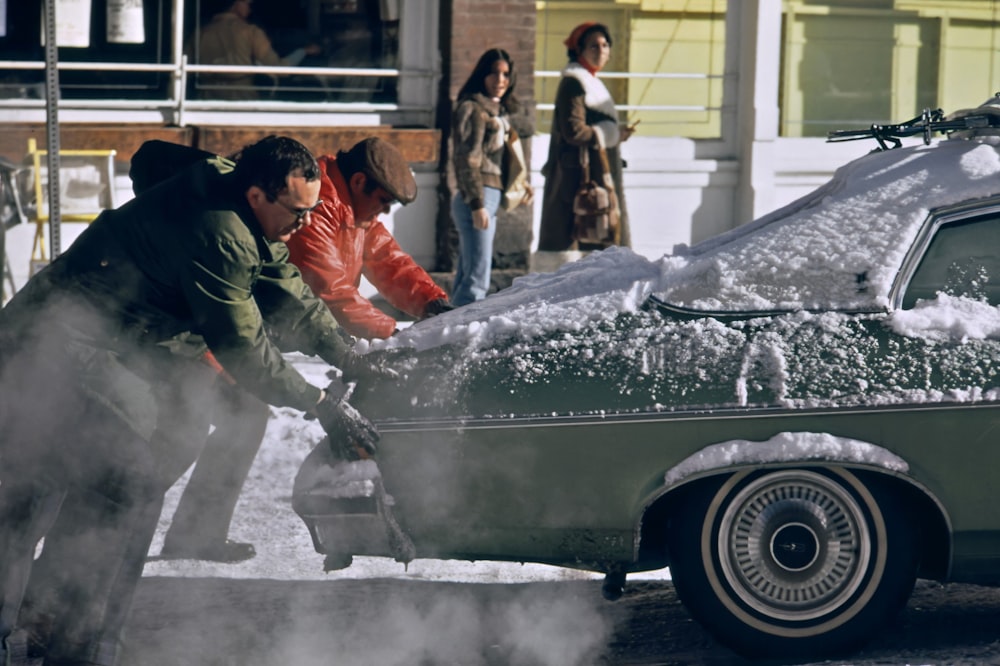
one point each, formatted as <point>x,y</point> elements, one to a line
<point>77,601</point>
<point>76,472</point>
<point>96,507</point>
<point>206,506</point>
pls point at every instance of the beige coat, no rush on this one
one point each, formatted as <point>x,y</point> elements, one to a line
<point>230,40</point>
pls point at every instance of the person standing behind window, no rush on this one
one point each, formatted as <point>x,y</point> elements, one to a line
<point>481,126</point>
<point>585,115</point>
<point>230,39</point>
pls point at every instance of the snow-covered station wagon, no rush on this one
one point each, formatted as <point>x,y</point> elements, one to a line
<point>799,417</point>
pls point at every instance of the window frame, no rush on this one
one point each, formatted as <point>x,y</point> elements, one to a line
<point>937,220</point>
<point>416,82</point>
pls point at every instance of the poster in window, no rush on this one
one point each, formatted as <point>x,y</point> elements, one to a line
<point>72,23</point>
<point>125,22</point>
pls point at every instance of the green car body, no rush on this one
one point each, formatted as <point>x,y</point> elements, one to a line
<point>798,462</point>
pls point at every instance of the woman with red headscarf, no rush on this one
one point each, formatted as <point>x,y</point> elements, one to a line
<point>585,116</point>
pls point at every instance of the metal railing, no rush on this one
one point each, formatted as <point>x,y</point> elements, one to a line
<point>173,99</point>
<point>555,74</point>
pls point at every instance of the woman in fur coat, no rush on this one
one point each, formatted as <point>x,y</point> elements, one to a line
<point>585,115</point>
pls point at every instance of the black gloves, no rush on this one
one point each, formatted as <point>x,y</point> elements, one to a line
<point>336,349</point>
<point>364,369</point>
<point>351,434</point>
<point>437,307</point>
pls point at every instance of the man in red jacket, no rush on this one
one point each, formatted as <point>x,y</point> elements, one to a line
<point>346,240</point>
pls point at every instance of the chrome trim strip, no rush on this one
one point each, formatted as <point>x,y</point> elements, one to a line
<point>562,420</point>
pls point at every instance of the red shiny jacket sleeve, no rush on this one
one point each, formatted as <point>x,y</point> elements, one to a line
<point>396,275</point>
<point>332,253</point>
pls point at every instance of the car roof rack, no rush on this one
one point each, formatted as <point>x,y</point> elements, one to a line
<point>928,122</point>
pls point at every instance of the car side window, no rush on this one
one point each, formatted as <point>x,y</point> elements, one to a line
<point>963,259</point>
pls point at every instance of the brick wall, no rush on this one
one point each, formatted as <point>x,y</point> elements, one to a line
<point>470,27</point>
<point>419,146</point>
<point>477,25</point>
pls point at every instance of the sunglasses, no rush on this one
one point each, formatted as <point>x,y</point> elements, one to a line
<point>300,213</point>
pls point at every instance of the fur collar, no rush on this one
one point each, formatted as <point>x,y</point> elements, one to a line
<point>597,98</point>
<point>491,107</point>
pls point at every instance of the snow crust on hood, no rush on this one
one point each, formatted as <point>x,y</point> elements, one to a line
<point>596,288</point>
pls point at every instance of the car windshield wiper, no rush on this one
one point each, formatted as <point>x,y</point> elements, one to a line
<point>653,302</point>
<point>928,122</point>
<point>657,304</point>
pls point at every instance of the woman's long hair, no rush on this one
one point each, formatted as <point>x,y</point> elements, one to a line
<point>476,82</point>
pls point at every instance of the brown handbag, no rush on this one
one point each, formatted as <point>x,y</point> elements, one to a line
<point>595,206</point>
<point>517,188</point>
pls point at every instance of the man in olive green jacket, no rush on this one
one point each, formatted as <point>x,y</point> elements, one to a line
<point>103,345</point>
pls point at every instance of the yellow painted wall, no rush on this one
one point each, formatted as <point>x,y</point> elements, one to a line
<point>970,63</point>
<point>680,44</point>
<point>650,36</point>
<point>847,64</point>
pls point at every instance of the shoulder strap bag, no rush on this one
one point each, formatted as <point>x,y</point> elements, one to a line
<point>517,189</point>
<point>595,206</point>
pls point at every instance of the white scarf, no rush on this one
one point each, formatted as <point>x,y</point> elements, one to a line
<point>597,97</point>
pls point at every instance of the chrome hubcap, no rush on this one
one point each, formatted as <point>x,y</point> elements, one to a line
<point>794,545</point>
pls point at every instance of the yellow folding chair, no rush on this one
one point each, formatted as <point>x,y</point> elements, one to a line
<point>86,187</point>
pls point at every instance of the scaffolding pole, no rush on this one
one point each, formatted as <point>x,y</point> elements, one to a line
<point>52,125</point>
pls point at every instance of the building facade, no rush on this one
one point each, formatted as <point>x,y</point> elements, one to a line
<point>735,97</point>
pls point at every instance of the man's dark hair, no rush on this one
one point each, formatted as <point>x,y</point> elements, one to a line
<point>269,162</point>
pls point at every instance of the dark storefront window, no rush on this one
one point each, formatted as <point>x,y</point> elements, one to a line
<point>23,42</point>
<point>134,54</point>
<point>356,34</point>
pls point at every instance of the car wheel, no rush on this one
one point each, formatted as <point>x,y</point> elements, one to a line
<point>793,562</point>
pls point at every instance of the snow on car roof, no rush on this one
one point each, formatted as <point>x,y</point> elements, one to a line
<point>814,253</point>
<point>839,247</point>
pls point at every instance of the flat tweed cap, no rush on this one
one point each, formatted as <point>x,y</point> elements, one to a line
<point>388,167</point>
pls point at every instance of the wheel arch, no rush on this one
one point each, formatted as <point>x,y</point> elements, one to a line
<point>871,463</point>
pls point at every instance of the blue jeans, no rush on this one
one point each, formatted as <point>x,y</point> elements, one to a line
<point>475,249</point>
